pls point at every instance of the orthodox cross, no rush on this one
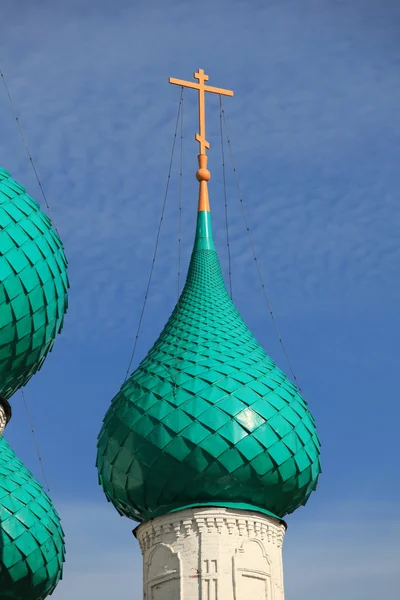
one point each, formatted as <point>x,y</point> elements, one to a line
<point>202,88</point>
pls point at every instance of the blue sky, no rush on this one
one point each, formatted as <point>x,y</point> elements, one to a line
<point>315,129</point>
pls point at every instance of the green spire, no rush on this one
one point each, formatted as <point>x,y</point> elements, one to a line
<point>204,239</point>
<point>207,418</point>
<point>33,286</point>
<point>31,537</point>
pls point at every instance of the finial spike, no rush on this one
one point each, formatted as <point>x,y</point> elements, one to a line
<point>203,176</point>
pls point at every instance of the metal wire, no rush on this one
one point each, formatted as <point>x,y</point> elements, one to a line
<point>225,196</point>
<point>157,240</point>
<point>173,371</point>
<point>28,416</point>
<point>180,204</point>
<point>25,143</point>
<point>256,262</point>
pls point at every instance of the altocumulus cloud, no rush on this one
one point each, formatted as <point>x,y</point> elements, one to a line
<point>314,125</point>
<point>314,136</point>
<point>350,552</point>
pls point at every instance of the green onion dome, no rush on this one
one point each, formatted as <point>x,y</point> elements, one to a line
<point>207,418</point>
<point>31,538</point>
<point>33,286</point>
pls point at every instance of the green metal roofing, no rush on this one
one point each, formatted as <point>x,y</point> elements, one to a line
<point>207,418</point>
<point>31,537</point>
<point>33,286</point>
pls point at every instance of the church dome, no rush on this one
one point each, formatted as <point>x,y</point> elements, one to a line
<point>31,537</point>
<point>207,418</point>
<point>33,286</point>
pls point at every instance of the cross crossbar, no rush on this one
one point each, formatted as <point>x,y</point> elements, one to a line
<point>202,89</point>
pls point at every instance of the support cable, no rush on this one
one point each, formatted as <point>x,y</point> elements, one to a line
<point>180,203</point>
<point>174,369</point>
<point>157,240</point>
<point>25,143</point>
<point>255,255</point>
<point>28,415</point>
<point>225,196</point>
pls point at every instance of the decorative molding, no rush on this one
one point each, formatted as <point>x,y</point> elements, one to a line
<point>163,574</point>
<point>209,579</point>
<point>219,523</point>
<point>252,567</point>
<point>192,523</point>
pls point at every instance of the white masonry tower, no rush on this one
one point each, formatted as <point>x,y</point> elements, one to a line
<point>212,554</point>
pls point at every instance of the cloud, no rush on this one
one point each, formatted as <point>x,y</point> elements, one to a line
<point>311,131</point>
<point>103,558</point>
<point>314,127</point>
<point>350,552</point>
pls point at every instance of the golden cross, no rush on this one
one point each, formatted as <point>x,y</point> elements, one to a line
<point>202,88</point>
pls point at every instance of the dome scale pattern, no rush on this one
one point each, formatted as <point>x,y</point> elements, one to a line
<point>207,418</point>
<point>31,538</point>
<point>33,286</point>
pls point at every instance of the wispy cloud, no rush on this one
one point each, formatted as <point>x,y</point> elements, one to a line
<point>350,552</point>
<point>345,553</point>
<point>312,133</point>
<point>103,556</point>
<point>314,126</point>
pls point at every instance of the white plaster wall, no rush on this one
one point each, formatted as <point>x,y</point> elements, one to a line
<point>212,554</point>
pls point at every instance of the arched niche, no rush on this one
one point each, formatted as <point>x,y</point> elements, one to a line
<point>252,572</point>
<point>163,572</point>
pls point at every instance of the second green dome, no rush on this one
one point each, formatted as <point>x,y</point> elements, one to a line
<point>207,418</point>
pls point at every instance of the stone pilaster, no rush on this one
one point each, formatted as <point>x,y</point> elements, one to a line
<point>212,554</point>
